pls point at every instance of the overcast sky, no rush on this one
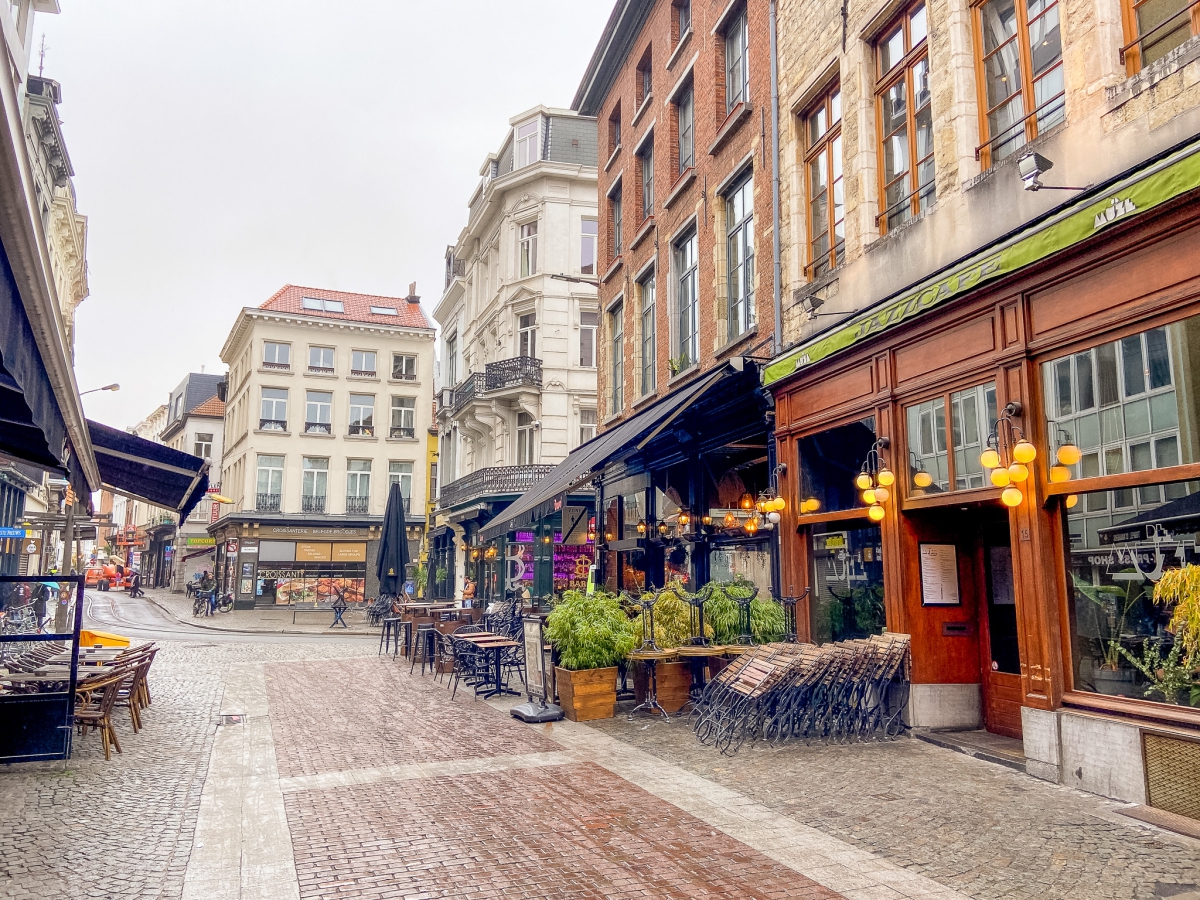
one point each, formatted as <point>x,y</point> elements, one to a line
<point>225,148</point>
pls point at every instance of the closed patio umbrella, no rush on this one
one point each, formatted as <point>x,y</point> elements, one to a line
<point>393,545</point>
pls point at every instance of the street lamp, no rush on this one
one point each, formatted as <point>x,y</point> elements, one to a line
<point>107,387</point>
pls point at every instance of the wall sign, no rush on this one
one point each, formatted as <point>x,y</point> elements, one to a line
<point>939,575</point>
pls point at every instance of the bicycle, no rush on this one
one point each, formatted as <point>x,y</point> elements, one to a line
<point>225,604</point>
<point>200,604</point>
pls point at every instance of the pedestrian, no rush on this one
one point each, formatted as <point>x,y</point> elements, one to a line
<point>135,584</point>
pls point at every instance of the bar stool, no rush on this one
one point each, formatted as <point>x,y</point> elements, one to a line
<point>424,647</point>
<point>390,636</point>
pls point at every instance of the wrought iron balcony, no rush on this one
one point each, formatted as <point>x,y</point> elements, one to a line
<point>266,503</point>
<point>321,370</point>
<point>401,432</point>
<point>272,425</point>
<point>363,373</point>
<point>277,366</point>
<point>357,505</point>
<point>493,480</point>
<point>366,430</point>
<point>318,428</point>
<point>312,504</point>
<point>515,372</point>
<point>401,375</point>
<point>469,390</point>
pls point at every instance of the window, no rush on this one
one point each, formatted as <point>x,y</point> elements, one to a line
<point>452,360</point>
<point>384,311</point>
<point>527,335</point>
<point>826,190</point>
<point>358,485</point>
<point>829,460</point>
<point>649,347</point>
<point>320,359</point>
<point>645,78</point>
<point>277,356</point>
<point>318,410</point>
<point>314,484</point>
<point>938,459</point>
<point>737,72</point>
<point>683,18</point>
<point>362,414</point>
<point>614,208</point>
<point>587,338</point>
<point>846,575</point>
<point>1022,70</point>
<point>905,119</point>
<point>684,119</point>
<point>401,473</point>
<point>687,304</point>
<point>404,411</point>
<point>646,160</point>
<point>319,303</point>
<point>616,321</point>
<point>203,445</point>
<point>587,247</point>
<point>404,367</point>
<point>529,249</point>
<point>1158,27</point>
<point>270,483</point>
<point>614,129</point>
<point>739,244</point>
<point>362,362</point>
<point>524,439</point>
<point>528,146</point>
<point>274,409</point>
<point>587,425</point>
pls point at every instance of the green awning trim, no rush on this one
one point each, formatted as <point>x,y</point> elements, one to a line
<point>1172,176</point>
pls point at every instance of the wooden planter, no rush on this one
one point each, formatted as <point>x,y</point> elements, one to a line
<point>587,694</point>
<point>674,684</point>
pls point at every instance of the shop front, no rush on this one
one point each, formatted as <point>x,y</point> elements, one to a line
<point>1004,462</point>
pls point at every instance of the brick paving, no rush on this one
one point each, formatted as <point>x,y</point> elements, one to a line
<point>980,828</point>
<point>573,831</point>
<point>370,712</point>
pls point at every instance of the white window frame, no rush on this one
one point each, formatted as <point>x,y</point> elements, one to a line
<point>687,339</point>
<point>407,419</point>
<point>527,334</point>
<point>587,338</point>
<point>362,415</point>
<point>312,484</point>
<point>737,64</point>
<point>616,318</point>
<point>685,132</point>
<point>397,475</point>
<point>277,405</point>
<point>528,245</point>
<point>357,478</point>
<point>587,430</point>
<point>319,354</point>
<point>403,369</point>
<point>321,407</point>
<point>274,476</point>
<point>202,448</point>
<point>363,357</point>
<point>589,240</point>
<point>525,440</point>
<point>273,348</point>
<point>739,238</point>
<point>527,146</point>
<point>648,349</point>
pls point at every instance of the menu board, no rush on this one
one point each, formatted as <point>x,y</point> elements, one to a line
<point>939,575</point>
<point>535,661</point>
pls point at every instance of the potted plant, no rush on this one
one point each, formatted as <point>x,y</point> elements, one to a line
<point>672,628</point>
<point>1114,604</point>
<point>420,578</point>
<point>1180,588</point>
<point>591,634</point>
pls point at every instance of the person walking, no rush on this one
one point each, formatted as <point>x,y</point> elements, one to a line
<point>135,584</point>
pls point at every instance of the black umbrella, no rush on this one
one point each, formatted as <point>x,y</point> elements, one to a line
<point>393,545</point>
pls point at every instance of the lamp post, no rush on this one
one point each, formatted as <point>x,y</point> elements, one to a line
<point>108,387</point>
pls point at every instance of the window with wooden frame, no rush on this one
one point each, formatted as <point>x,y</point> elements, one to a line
<point>646,165</point>
<point>905,119</point>
<point>944,456</point>
<point>685,133</point>
<point>614,129</point>
<point>644,83</point>
<point>616,220</point>
<point>826,188</point>
<point>616,359</point>
<point>1156,27</point>
<point>737,69</point>
<point>681,20</point>
<point>1020,67</point>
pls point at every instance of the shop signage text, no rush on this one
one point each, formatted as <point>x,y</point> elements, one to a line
<point>299,531</point>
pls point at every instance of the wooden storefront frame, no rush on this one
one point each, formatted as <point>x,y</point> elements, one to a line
<point>1125,281</point>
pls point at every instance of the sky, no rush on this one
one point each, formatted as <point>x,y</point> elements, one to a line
<point>225,148</point>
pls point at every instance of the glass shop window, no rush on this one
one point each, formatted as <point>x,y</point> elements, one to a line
<point>938,457</point>
<point>633,508</point>
<point>846,581</point>
<point>1125,640</point>
<point>829,461</point>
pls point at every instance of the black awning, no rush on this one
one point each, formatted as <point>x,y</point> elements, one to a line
<point>140,468</point>
<point>578,467</point>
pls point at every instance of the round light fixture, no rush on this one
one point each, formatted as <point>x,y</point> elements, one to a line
<point>869,496</point>
<point>862,481</point>
<point>1069,454</point>
<point>922,479</point>
<point>1000,477</point>
<point>1018,472</point>
<point>1072,499</point>
<point>876,513</point>
<point>1024,452</point>
<point>773,517</point>
<point>886,477</point>
<point>989,458</point>
<point>1011,497</point>
<point>1060,474</point>
<point>882,494</point>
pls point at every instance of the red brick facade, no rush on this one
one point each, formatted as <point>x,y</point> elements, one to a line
<point>724,144</point>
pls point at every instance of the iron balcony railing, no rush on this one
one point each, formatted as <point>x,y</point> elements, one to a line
<point>312,504</point>
<point>364,429</point>
<point>318,428</point>
<point>363,373</point>
<point>515,372</point>
<point>278,366</point>
<point>494,480</point>
<point>357,505</point>
<point>401,432</point>
<point>321,370</point>
<point>272,425</point>
<point>469,390</point>
<point>266,503</point>
<point>401,375</point>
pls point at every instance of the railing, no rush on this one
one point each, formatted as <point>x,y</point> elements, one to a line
<point>318,428</point>
<point>469,390</point>
<point>401,375</point>
<point>365,430</point>
<point>278,366</point>
<point>357,505</point>
<point>1020,123</point>
<point>519,370</point>
<point>272,424</point>
<point>312,504</point>
<point>1165,22</point>
<point>321,370</point>
<point>491,480</point>
<point>266,503</point>
<point>363,373</point>
<point>402,432</point>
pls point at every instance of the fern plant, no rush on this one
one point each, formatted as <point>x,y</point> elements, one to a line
<point>590,632</point>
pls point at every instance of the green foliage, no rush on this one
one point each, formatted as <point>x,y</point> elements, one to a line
<point>672,619</point>
<point>420,578</point>
<point>869,617</point>
<point>1115,603</point>
<point>721,612</point>
<point>440,575</point>
<point>767,621</point>
<point>678,363</point>
<point>590,632</point>
<point>1172,676</point>
<point>1181,587</point>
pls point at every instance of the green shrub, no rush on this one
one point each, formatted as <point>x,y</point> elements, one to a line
<point>590,632</point>
<point>672,619</point>
<point>767,621</point>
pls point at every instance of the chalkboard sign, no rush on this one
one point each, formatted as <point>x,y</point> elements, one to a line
<point>535,662</point>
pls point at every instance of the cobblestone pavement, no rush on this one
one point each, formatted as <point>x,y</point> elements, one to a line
<point>267,621</point>
<point>983,829</point>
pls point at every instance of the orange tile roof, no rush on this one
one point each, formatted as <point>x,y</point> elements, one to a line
<point>213,406</point>
<point>357,307</point>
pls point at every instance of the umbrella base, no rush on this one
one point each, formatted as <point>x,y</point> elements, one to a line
<point>535,712</point>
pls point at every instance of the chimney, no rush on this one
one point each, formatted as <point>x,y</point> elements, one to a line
<point>412,294</point>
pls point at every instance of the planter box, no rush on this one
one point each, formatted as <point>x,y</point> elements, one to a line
<point>674,684</point>
<point>587,694</point>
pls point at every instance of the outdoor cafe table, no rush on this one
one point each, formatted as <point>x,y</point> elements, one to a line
<point>495,643</point>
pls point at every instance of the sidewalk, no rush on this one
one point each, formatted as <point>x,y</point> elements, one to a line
<point>267,621</point>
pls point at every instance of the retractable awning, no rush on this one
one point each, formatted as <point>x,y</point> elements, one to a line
<point>139,468</point>
<point>630,435</point>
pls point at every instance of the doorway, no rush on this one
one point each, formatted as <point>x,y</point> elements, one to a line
<point>1000,658</point>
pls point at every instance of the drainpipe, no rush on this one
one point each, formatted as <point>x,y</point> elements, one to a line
<point>778,341</point>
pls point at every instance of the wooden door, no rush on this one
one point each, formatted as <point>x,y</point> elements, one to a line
<point>1000,660</point>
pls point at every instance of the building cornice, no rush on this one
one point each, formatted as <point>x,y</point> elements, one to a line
<point>251,314</point>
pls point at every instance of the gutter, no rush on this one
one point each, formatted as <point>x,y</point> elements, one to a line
<point>777,344</point>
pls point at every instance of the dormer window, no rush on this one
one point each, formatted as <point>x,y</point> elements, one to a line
<point>528,146</point>
<point>320,303</point>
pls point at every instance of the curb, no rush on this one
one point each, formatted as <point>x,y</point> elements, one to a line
<point>931,737</point>
<point>315,634</point>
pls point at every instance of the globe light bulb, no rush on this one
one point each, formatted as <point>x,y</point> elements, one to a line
<point>780,504</point>
<point>869,496</point>
<point>1024,452</point>
<point>1000,477</point>
<point>811,505</point>
<point>863,481</point>
<point>1072,499</point>
<point>773,517</point>
<point>1018,472</point>
<point>886,477</point>
<point>1060,474</point>
<point>876,513</point>
<point>1011,497</point>
<point>882,494</point>
<point>989,458</point>
<point>1069,454</point>
<point>922,479</point>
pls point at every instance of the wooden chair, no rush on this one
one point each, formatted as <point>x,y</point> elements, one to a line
<point>132,692</point>
<point>95,710</point>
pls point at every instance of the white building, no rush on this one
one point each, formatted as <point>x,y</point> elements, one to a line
<point>329,402</point>
<point>518,321</point>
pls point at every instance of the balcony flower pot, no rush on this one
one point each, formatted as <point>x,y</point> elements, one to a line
<point>591,634</point>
